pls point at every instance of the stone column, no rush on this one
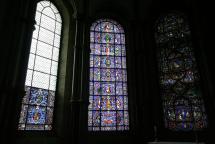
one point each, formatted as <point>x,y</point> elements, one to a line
<point>17,31</point>
<point>76,100</point>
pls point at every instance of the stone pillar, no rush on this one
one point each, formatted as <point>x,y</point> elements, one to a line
<point>76,100</point>
<point>17,31</point>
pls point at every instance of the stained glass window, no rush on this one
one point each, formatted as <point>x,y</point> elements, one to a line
<point>183,105</point>
<point>40,85</point>
<point>108,92</point>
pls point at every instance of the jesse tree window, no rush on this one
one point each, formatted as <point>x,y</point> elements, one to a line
<point>108,93</point>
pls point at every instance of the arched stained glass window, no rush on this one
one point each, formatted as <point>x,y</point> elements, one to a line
<point>179,77</point>
<point>38,103</point>
<point>108,94</point>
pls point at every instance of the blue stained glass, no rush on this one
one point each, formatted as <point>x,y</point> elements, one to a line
<point>107,62</point>
<point>49,115</point>
<point>40,84</point>
<point>125,91</point>
<point>98,38</point>
<point>107,38</point>
<point>96,103</point>
<point>90,118</point>
<point>123,62</point>
<point>97,27</point>
<point>96,118</point>
<point>189,77</point>
<point>120,118</point>
<point>23,114</point>
<point>126,118</point>
<point>118,50</point>
<point>124,73</point>
<point>107,75</point>
<point>25,100</point>
<point>107,49</point>
<point>118,29</point>
<point>92,37</point>
<point>108,88</point>
<point>108,118</point>
<point>90,106</point>
<point>38,96</point>
<point>97,89</point>
<point>36,115</point>
<point>108,128</point>
<point>107,27</point>
<point>120,128</point>
<point>34,127</point>
<point>97,74</point>
<point>91,74</point>
<point>117,39</point>
<point>118,62</point>
<point>119,102</point>
<point>108,100</point>
<point>92,48</point>
<point>97,61</point>
<point>119,75</point>
<point>123,51</point>
<point>183,113</point>
<point>91,88</point>
<point>125,103</point>
<point>97,49</point>
<point>119,90</point>
<point>108,103</point>
<point>179,79</point>
<point>122,39</point>
<point>91,61</point>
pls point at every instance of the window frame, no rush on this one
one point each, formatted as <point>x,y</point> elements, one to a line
<point>63,13</point>
<point>162,133</point>
<point>121,32</point>
<point>110,134</point>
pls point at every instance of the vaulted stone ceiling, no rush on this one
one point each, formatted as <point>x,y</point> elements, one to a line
<point>127,9</point>
<point>124,8</point>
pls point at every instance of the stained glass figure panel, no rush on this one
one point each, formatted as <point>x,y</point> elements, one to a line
<point>183,104</point>
<point>38,96</point>
<point>107,75</point>
<point>108,118</point>
<point>40,85</point>
<point>120,102</point>
<point>36,115</point>
<point>108,99</point>
<point>108,103</point>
